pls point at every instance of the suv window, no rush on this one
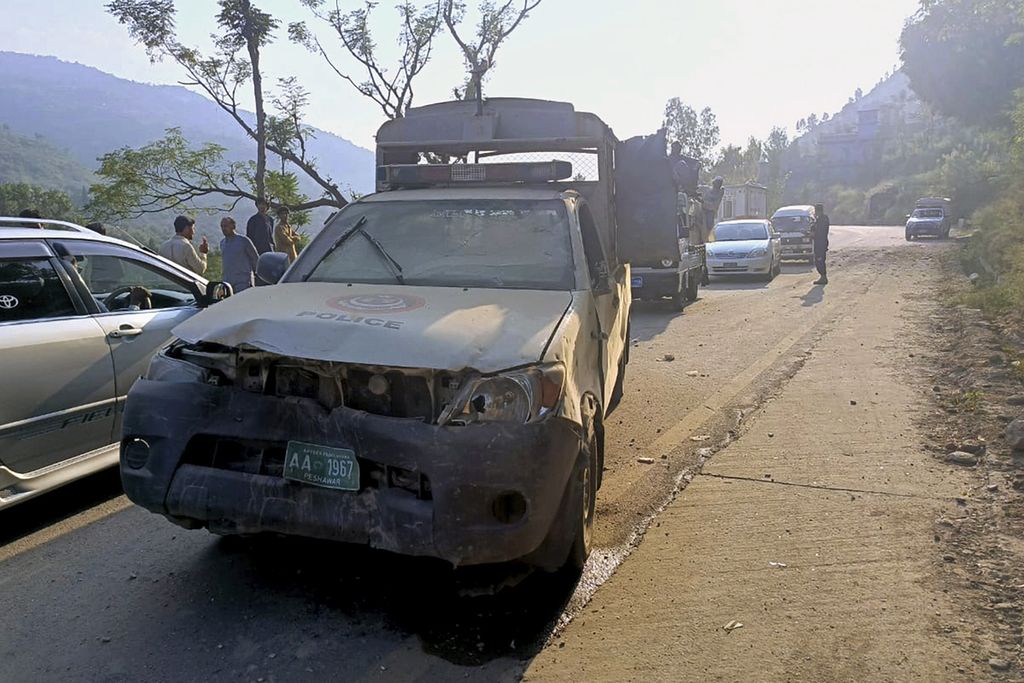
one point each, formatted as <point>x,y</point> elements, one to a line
<point>113,275</point>
<point>31,289</point>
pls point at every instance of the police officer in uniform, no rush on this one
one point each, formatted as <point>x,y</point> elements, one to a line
<point>821,226</point>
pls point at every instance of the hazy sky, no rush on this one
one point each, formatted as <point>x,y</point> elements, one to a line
<point>756,63</point>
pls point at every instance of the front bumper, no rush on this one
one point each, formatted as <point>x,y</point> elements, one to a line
<point>466,479</point>
<point>739,266</point>
<point>915,229</point>
<point>797,247</point>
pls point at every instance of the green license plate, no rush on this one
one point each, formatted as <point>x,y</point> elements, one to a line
<point>332,468</point>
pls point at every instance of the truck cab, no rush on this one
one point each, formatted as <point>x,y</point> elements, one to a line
<point>432,374</point>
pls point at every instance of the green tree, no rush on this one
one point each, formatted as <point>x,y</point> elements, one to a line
<point>966,57</point>
<point>391,89</point>
<point>243,31</point>
<point>697,133</point>
<point>53,204</point>
<point>495,24</point>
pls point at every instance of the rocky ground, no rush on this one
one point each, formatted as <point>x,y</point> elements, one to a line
<point>977,382</point>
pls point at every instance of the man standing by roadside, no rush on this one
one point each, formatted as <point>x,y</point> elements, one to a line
<point>286,239</point>
<point>260,228</point>
<point>239,256</point>
<point>180,250</point>
<point>821,226</point>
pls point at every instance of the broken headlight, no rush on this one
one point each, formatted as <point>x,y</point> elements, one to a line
<point>519,396</point>
<point>164,368</point>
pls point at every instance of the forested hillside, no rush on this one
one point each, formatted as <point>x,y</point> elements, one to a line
<point>34,160</point>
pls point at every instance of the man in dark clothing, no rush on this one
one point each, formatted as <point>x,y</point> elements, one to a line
<point>821,226</point>
<point>260,228</point>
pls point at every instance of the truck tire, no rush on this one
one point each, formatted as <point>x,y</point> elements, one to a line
<point>583,503</point>
<point>679,296</point>
<point>692,287</point>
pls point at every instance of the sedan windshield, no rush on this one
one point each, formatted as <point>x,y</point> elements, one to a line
<point>734,232</point>
<point>928,213</point>
<point>512,244</point>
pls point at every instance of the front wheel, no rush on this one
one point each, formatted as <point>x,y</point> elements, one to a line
<point>910,237</point>
<point>584,500</point>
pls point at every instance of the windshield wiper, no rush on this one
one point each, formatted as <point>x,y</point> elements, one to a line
<point>396,268</point>
<point>393,265</point>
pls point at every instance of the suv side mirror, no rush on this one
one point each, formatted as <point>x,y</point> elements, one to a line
<point>217,291</point>
<point>271,266</point>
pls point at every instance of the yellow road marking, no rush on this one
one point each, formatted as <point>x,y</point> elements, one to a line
<point>64,527</point>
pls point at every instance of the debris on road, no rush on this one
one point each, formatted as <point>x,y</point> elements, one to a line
<point>645,461</point>
<point>702,437</point>
<point>779,565</point>
<point>962,458</point>
<point>693,373</point>
<point>667,358</point>
<point>732,626</point>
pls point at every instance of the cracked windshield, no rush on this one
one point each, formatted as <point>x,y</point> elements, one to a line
<point>530,340</point>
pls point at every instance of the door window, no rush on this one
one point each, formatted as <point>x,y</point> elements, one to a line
<point>597,264</point>
<point>31,289</point>
<point>119,280</point>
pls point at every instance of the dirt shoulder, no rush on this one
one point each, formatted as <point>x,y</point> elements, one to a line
<point>815,529</point>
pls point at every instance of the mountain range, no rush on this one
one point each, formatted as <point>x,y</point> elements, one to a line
<point>69,114</point>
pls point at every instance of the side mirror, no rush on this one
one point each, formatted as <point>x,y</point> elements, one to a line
<point>271,266</point>
<point>217,291</point>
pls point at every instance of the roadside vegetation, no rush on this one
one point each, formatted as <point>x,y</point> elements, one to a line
<point>965,58</point>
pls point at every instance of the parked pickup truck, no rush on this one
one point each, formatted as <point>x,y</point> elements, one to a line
<point>433,373</point>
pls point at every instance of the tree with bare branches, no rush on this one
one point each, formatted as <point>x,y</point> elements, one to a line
<point>495,25</point>
<point>391,89</point>
<point>167,173</point>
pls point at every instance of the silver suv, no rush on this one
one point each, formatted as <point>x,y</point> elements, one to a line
<point>80,316</point>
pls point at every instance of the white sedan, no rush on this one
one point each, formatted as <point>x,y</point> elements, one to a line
<point>745,247</point>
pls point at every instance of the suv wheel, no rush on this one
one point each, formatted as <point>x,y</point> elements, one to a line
<point>584,499</point>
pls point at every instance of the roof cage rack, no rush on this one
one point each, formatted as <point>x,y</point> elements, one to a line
<point>47,223</point>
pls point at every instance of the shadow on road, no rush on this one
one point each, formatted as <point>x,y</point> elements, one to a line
<point>794,267</point>
<point>815,295</point>
<point>648,319</point>
<point>417,597</point>
<point>737,282</point>
<point>48,509</point>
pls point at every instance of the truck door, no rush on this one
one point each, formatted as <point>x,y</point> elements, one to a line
<point>608,294</point>
<point>645,201</point>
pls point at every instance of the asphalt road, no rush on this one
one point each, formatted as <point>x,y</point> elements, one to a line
<point>94,589</point>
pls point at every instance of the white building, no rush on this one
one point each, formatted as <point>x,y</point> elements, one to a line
<point>748,200</point>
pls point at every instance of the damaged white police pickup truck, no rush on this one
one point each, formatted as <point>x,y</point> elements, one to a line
<point>431,375</point>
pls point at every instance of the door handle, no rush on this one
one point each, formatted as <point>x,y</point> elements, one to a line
<point>124,331</point>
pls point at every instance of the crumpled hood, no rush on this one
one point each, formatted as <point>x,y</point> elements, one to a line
<point>441,328</point>
<point>737,247</point>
